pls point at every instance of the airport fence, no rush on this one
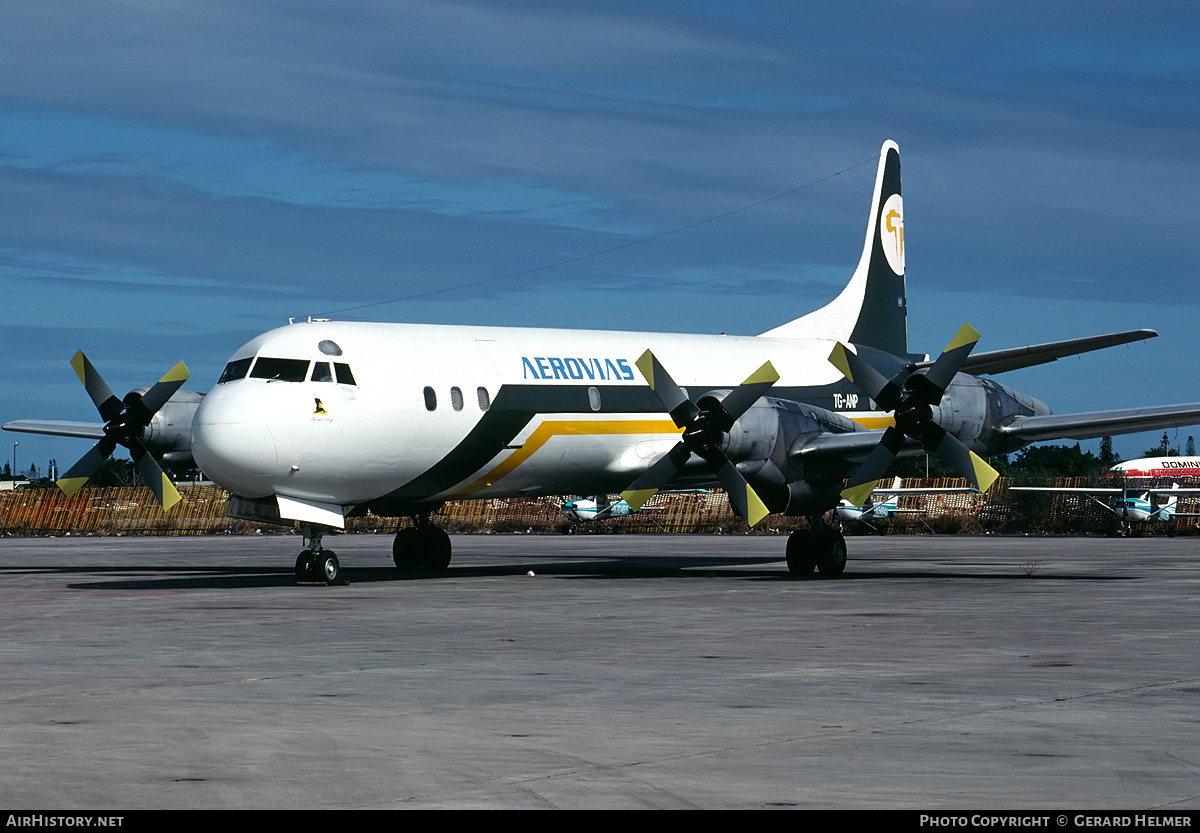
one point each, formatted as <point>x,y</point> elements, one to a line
<point>202,511</point>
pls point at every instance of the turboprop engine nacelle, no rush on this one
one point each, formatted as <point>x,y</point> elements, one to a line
<point>169,434</point>
<point>973,408</point>
<point>758,443</point>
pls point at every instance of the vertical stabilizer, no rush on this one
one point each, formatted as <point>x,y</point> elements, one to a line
<point>873,308</point>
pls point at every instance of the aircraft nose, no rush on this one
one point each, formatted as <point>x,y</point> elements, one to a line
<point>231,447</point>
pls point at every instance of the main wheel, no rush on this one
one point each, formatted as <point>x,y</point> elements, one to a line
<point>801,558</point>
<point>831,552</point>
<point>406,549</point>
<point>437,549</point>
<point>421,549</point>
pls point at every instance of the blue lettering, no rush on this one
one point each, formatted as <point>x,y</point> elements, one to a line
<point>572,367</point>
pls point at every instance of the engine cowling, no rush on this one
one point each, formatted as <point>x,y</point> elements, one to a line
<point>169,434</point>
<point>972,409</point>
<point>758,444</point>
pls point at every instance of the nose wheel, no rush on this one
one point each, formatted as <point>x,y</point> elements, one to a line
<point>316,565</point>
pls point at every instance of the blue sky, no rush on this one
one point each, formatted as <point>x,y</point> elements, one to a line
<point>177,177</point>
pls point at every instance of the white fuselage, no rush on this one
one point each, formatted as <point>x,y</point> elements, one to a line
<point>1157,467</point>
<point>446,412</point>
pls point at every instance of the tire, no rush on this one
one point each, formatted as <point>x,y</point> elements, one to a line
<point>406,550</point>
<point>326,567</point>
<point>801,559</point>
<point>831,558</point>
<point>436,549</point>
<point>304,566</point>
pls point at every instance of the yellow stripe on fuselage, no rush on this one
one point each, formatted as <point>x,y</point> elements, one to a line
<point>558,428</point>
<point>873,423</point>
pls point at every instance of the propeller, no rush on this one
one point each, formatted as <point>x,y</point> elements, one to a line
<point>703,430</point>
<point>124,421</point>
<point>912,406</point>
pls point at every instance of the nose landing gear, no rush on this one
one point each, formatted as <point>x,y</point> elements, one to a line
<point>316,564</point>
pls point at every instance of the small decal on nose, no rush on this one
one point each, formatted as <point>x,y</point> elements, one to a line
<point>320,409</point>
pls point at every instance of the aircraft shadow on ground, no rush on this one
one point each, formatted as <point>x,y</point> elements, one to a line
<point>199,577</point>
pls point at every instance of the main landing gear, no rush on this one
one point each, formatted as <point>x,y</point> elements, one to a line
<point>315,563</point>
<point>820,547</point>
<point>421,548</point>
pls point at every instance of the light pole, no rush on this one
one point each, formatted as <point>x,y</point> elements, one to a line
<point>14,471</point>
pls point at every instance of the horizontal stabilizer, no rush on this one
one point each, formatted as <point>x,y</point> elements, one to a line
<point>57,428</point>
<point>1031,429</point>
<point>1014,358</point>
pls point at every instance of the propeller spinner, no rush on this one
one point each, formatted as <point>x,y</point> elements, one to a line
<point>912,406</point>
<point>704,428</point>
<point>124,422</point>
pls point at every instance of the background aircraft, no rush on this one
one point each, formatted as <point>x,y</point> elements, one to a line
<point>883,504</point>
<point>1136,501</point>
<point>1131,504</point>
<point>599,508</point>
<point>1157,467</point>
<point>321,419</point>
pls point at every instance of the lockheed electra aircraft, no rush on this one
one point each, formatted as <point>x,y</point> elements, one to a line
<point>319,420</point>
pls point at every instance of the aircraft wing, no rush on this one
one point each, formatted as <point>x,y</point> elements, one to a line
<point>1014,358</point>
<point>853,447</point>
<point>58,428</point>
<point>1083,426</point>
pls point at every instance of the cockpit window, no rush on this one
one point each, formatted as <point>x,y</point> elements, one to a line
<point>321,372</point>
<point>236,369</point>
<point>282,370</point>
<point>344,376</point>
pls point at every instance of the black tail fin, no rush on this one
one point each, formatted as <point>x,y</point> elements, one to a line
<point>873,308</point>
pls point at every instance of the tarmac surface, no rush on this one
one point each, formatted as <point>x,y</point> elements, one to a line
<point>628,671</point>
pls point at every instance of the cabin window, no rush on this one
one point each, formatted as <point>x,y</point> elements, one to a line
<point>594,398</point>
<point>430,399</point>
<point>280,370</point>
<point>321,372</point>
<point>485,401</point>
<point>344,376</point>
<point>456,399</point>
<point>236,369</point>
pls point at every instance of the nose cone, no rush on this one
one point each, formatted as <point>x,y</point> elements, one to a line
<point>232,444</point>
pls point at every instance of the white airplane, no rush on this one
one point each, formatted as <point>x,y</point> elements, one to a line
<point>322,419</point>
<point>599,508</point>
<point>1157,467</point>
<point>884,503</point>
<point>1133,502</point>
